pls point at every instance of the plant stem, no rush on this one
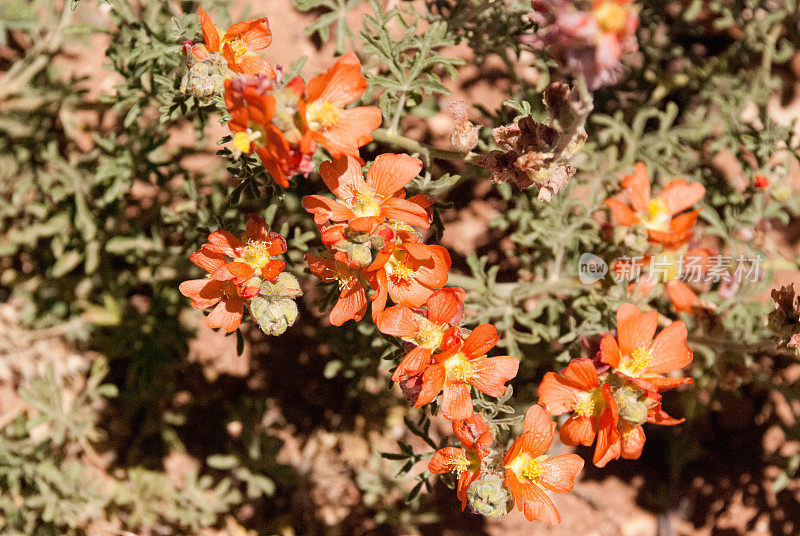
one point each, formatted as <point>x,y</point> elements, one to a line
<point>428,153</point>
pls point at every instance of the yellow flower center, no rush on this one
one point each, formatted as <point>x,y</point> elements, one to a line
<point>399,265</point>
<point>459,368</point>
<point>527,468</point>
<point>321,116</point>
<point>611,16</point>
<point>366,203</point>
<point>460,463</point>
<point>638,361</point>
<point>242,141</point>
<point>657,216</point>
<point>429,334</point>
<point>586,403</point>
<point>238,46</point>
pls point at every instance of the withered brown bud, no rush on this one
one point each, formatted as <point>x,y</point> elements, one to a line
<point>465,134</point>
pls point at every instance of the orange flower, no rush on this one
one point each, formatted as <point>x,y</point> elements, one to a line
<point>235,44</point>
<point>663,216</point>
<point>352,304</point>
<point>453,374</point>
<point>252,257</point>
<point>636,355</point>
<point>409,275</point>
<point>366,204</point>
<point>437,329</point>
<point>594,413</point>
<point>477,440</point>
<point>223,293</point>
<point>262,120</point>
<point>671,272</point>
<point>341,131</point>
<point>530,473</point>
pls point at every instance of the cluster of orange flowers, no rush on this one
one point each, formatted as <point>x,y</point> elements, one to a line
<point>668,227</point>
<point>232,284</point>
<point>374,251</point>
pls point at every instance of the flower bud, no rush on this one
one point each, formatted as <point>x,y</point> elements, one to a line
<point>465,134</point>
<point>782,191</point>
<point>630,407</point>
<point>360,253</point>
<point>204,79</point>
<point>488,496</point>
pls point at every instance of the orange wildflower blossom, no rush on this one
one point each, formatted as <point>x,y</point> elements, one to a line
<point>352,303</point>
<point>672,269</point>
<point>409,275</point>
<point>437,329</point>
<point>453,373</point>
<point>340,131</point>
<point>236,44</point>
<point>223,293</point>
<point>477,441</point>
<point>663,216</point>
<point>263,120</point>
<point>366,204</point>
<point>577,390</point>
<point>253,253</point>
<point>636,355</point>
<point>530,473</point>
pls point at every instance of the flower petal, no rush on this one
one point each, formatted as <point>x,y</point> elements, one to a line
<point>669,350</point>
<point>352,304</point>
<point>456,400</point>
<point>210,33</point>
<point>444,460</point>
<point>255,33</point>
<point>577,430</point>
<point>678,195</point>
<point>622,212</point>
<point>415,362</point>
<point>405,211</point>
<point>482,339</point>
<point>390,172</point>
<point>432,383</point>
<point>559,472</point>
<point>681,296</point>
<point>609,350</point>
<point>490,374</point>
<point>343,177</point>
<point>398,322</point>
<point>226,315</point>
<point>634,328</point>
<point>638,184</point>
<point>341,84</point>
<point>325,209</point>
<point>538,431</point>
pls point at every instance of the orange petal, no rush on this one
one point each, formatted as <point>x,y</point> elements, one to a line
<point>609,350</point>
<point>491,374</point>
<point>669,350</point>
<point>405,211</point>
<point>204,292</point>
<point>409,293</point>
<point>210,33</point>
<point>634,328</point>
<point>608,445</point>
<point>390,172</point>
<point>379,283</point>
<point>342,84</point>
<point>325,209</point>
<point>353,129</point>
<point>456,400</point>
<point>343,177</point>
<point>226,315</point>
<point>468,431</point>
<point>464,480</point>
<point>556,394</point>
<point>398,322</point>
<point>325,269</point>
<point>581,373</point>
<point>482,339</point>
<point>632,443</point>
<point>622,212</point>
<point>656,415</point>
<point>272,269</point>
<point>638,184</point>
<point>577,430</point>
<point>559,472</point>
<point>208,259</point>
<point>538,432</point>
<point>253,65</point>
<point>432,383</point>
<point>224,242</point>
<point>444,460</point>
<point>431,263</point>
<point>681,296</point>
<point>678,195</point>
<point>444,304</point>
<point>352,304</point>
<point>255,33</point>
<point>415,362</point>
<point>539,506</point>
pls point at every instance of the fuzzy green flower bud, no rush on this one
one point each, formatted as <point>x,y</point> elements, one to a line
<point>360,253</point>
<point>488,496</point>
<point>782,191</point>
<point>631,407</point>
<point>274,315</point>
<point>203,79</point>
